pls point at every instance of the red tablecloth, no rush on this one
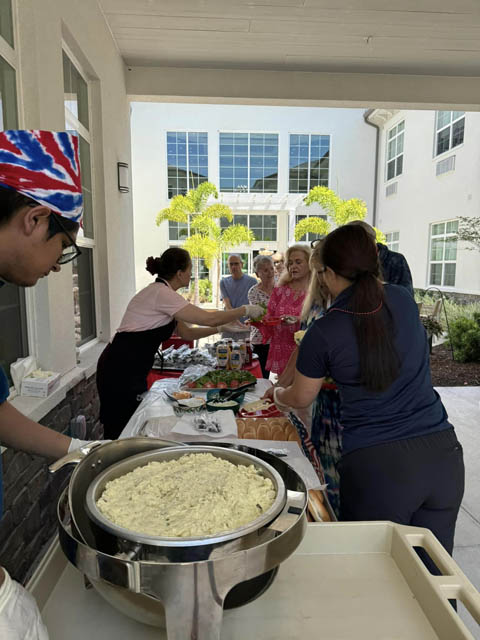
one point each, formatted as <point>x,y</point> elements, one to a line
<point>156,374</point>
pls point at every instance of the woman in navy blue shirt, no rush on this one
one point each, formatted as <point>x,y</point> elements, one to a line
<point>401,459</point>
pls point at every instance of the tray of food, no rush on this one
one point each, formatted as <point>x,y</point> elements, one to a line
<point>221,379</point>
<point>262,408</point>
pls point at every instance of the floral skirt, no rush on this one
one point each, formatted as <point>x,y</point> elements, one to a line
<point>324,446</point>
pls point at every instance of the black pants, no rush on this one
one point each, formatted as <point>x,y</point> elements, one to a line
<point>419,481</point>
<point>262,352</point>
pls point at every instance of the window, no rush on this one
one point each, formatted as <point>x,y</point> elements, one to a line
<point>264,227</point>
<point>309,162</point>
<point>13,316</point>
<point>395,150</point>
<point>443,253</point>
<point>187,161</point>
<point>249,162</point>
<point>449,130</point>
<point>178,230</point>
<point>77,121</point>
<point>393,240</point>
<point>309,237</point>
<point>83,294</point>
<point>245,259</point>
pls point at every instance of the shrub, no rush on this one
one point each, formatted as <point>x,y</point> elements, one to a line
<point>464,337</point>
<point>204,290</point>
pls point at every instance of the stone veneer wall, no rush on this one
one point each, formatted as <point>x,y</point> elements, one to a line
<point>459,298</point>
<point>31,493</point>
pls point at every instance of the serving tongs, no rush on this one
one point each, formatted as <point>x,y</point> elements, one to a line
<point>231,394</point>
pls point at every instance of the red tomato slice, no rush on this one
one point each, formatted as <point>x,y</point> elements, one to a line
<point>191,385</point>
<point>209,385</point>
<point>222,385</point>
<point>234,384</point>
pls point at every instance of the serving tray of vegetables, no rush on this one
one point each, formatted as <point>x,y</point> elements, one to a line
<point>221,379</point>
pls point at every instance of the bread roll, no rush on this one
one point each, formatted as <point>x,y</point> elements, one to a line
<point>316,506</point>
<point>263,432</point>
<point>249,435</point>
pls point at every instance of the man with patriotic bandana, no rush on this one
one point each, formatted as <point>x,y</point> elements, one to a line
<point>40,212</point>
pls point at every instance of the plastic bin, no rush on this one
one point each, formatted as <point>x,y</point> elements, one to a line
<point>360,581</point>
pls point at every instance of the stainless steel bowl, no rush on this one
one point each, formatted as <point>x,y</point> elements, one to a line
<point>175,453</point>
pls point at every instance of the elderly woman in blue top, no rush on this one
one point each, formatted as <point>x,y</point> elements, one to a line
<point>401,458</point>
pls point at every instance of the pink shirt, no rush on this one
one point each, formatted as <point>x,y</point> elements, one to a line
<point>152,307</point>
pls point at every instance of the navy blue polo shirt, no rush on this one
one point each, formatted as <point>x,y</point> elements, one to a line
<point>410,407</point>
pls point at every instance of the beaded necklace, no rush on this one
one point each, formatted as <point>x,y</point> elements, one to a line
<point>357,313</point>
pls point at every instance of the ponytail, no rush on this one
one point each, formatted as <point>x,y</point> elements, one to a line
<point>169,263</point>
<point>351,253</point>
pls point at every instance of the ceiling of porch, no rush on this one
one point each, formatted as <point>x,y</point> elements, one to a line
<point>423,37</point>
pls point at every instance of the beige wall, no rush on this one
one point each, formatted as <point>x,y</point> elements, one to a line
<point>43,26</point>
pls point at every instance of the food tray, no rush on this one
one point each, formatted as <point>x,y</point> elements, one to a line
<point>271,412</point>
<point>360,581</point>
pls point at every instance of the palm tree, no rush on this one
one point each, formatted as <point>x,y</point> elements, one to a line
<point>339,211</point>
<point>209,240</point>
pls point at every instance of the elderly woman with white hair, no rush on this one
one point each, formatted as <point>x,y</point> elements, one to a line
<point>260,294</point>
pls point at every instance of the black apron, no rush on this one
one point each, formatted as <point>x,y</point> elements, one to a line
<point>122,372</point>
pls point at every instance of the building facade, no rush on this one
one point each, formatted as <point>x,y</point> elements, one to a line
<point>263,161</point>
<point>428,166</point>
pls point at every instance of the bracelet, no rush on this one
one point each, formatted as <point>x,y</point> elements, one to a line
<point>278,404</point>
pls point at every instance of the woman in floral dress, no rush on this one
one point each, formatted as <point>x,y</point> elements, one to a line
<point>260,294</point>
<point>286,302</point>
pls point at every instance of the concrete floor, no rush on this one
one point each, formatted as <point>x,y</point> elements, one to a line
<point>463,407</point>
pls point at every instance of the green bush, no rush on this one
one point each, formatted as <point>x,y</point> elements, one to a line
<point>204,290</point>
<point>464,337</point>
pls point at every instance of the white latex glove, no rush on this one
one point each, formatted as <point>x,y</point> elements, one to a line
<point>19,615</point>
<point>278,404</point>
<point>254,310</point>
<point>75,443</point>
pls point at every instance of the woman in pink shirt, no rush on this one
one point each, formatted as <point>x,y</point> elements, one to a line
<point>286,301</point>
<point>152,315</point>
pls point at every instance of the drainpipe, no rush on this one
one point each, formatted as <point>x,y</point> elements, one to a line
<point>366,115</point>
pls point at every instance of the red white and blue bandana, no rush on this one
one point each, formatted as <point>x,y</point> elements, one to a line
<point>44,166</point>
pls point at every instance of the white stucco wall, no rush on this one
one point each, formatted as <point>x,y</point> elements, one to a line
<point>424,198</point>
<point>352,164</point>
<point>42,28</point>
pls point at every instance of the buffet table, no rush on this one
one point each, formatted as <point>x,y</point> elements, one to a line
<point>158,374</point>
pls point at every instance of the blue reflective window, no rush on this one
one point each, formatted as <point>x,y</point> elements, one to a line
<point>250,157</point>
<point>187,162</point>
<point>309,162</point>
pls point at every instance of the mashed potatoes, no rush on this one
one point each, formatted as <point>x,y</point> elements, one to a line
<point>196,495</point>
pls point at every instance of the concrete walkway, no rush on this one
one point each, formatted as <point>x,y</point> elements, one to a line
<point>463,407</point>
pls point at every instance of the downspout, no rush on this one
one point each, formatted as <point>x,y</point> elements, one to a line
<point>366,115</point>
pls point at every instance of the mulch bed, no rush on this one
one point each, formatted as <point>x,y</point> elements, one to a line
<point>448,373</point>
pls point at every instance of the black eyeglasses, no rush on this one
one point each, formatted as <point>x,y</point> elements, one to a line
<point>73,250</point>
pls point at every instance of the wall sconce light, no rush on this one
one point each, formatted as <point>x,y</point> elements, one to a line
<point>123,177</point>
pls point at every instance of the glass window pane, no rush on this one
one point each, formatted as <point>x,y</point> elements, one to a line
<point>437,249</point>
<point>438,229</point>
<point>452,226</point>
<point>8,97</point>
<point>451,248</point>
<point>84,297</point>
<point>400,143</point>
<point>82,101</point>
<point>391,149</point>
<point>443,118</point>
<point>391,169</point>
<point>399,169</point>
<point>457,114</point>
<point>172,230</point>
<point>443,140</point>
<point>458,129</point>
<point>436,274</point>
<point>401,126</point>
<point>449,275</point>
<point>13,326</point>
<point>86,171</point>
<point>6,21</point>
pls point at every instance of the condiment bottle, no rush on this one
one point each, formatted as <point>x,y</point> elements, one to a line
<point>222,355</point>
<point>235,357</point>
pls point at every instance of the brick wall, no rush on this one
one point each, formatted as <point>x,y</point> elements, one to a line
<point>31,493</point>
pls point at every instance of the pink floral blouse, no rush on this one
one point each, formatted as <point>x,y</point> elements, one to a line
<point>284,301</point>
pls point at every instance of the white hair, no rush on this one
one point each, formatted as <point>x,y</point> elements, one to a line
<point>259,260</point>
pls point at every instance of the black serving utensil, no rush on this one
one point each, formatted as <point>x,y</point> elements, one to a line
<point>231,394</point>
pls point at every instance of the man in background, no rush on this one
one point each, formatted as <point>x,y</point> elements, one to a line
<point>395,269</point>
<point>234,291</point>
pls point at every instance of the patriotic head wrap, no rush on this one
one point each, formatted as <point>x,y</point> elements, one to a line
<point>44,166</point>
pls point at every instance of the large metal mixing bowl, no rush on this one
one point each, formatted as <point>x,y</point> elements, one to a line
<point>152,583</point>
<point>234,456</point>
